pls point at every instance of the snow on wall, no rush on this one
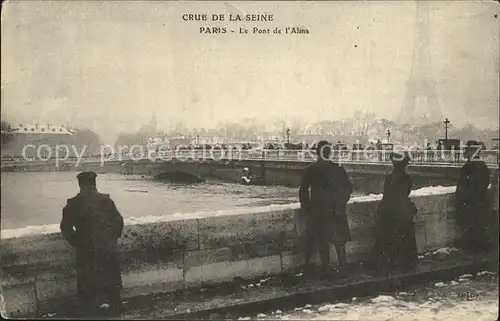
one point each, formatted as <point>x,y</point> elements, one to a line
<point>54,228</point>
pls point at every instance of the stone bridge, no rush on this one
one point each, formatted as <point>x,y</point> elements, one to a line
<point>365,177</point>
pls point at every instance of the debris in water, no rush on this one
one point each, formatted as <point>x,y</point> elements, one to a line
<point>244,318</point>
<point>265,280</point>
<point>465,276</point>
<point>354,299</point>
<point>250,285</point>
<point>136,191</point>
<point>307,311</point>
<point>258,284</point>
<point>278,312</point>
<point>261,315</point>
<point>308,306</point>
<point>454,283</point>
<point>298,309</point>
<point>440,284</point>
<point>298,274</point>
<point>105,306</point>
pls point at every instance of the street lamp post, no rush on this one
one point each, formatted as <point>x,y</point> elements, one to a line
<point>288,135</point>
<point>498,152</point>
<point>446,123</point>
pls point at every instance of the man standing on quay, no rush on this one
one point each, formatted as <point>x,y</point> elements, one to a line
<point>325,207</point>
<point>473,211</point>
<point>92,224</point>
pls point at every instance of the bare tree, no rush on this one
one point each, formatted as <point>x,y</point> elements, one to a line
<point>363,122</point>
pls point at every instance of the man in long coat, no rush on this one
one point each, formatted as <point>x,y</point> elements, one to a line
<point>395,243</point>
<point>325,207</point>
<point>472,204</point>
<point>92,224</point>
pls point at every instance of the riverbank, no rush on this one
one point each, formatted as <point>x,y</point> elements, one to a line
<point>295,290</point>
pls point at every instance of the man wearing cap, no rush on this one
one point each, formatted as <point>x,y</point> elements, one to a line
<point>92,224</point>
<point>325,206</point>
<point>471,196</point>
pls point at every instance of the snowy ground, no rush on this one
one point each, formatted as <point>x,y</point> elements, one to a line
<point>470,297</point>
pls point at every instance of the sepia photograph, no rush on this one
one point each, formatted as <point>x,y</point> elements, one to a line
<point>250,160</point>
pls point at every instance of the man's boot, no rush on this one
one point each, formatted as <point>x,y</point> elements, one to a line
<point>114,298</point>
<point>88,308</point>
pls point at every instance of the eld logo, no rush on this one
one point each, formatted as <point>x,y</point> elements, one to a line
<point>469,296</point>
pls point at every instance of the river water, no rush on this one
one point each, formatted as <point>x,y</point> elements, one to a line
<point>466,298</point>
<point>31,199</point>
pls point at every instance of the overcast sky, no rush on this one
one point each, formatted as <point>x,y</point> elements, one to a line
<point>110,65</point>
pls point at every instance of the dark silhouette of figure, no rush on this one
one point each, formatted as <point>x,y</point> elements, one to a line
<point>378,147</point>
<point>354,152</point>
<point>472,203</point>
<point>429,153</point>
<point>439,151</point>
<point>395,244</point>
<point>325,207</point>
<point>92,224</point>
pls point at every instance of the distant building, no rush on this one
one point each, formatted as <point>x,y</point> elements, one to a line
<point>44,139</point>
<point>149,130</point>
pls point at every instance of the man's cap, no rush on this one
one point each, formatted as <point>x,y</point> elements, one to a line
<point>402,158</point>
<point>245,169</point>
<point>323,148</point>
<point>86,177</point>
<point>321,144</point>
<point>473,144</point>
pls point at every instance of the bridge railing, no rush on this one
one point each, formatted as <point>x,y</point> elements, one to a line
<point>347,156</point>
<point>371,156</point>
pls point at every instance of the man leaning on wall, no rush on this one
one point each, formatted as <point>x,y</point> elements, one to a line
<point>324,193</point>
<point>92,224</point>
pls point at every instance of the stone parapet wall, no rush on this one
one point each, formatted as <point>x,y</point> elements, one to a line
<point>38,271</point>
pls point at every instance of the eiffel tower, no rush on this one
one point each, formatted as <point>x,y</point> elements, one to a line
<point>421,83</point>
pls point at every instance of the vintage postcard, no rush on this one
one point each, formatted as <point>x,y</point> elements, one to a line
<point>250,160</point>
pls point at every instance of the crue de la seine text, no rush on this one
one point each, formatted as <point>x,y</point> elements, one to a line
<point>223,17</point>
<point>242,29</point>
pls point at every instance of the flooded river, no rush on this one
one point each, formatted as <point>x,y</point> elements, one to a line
<point>31,199</point>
